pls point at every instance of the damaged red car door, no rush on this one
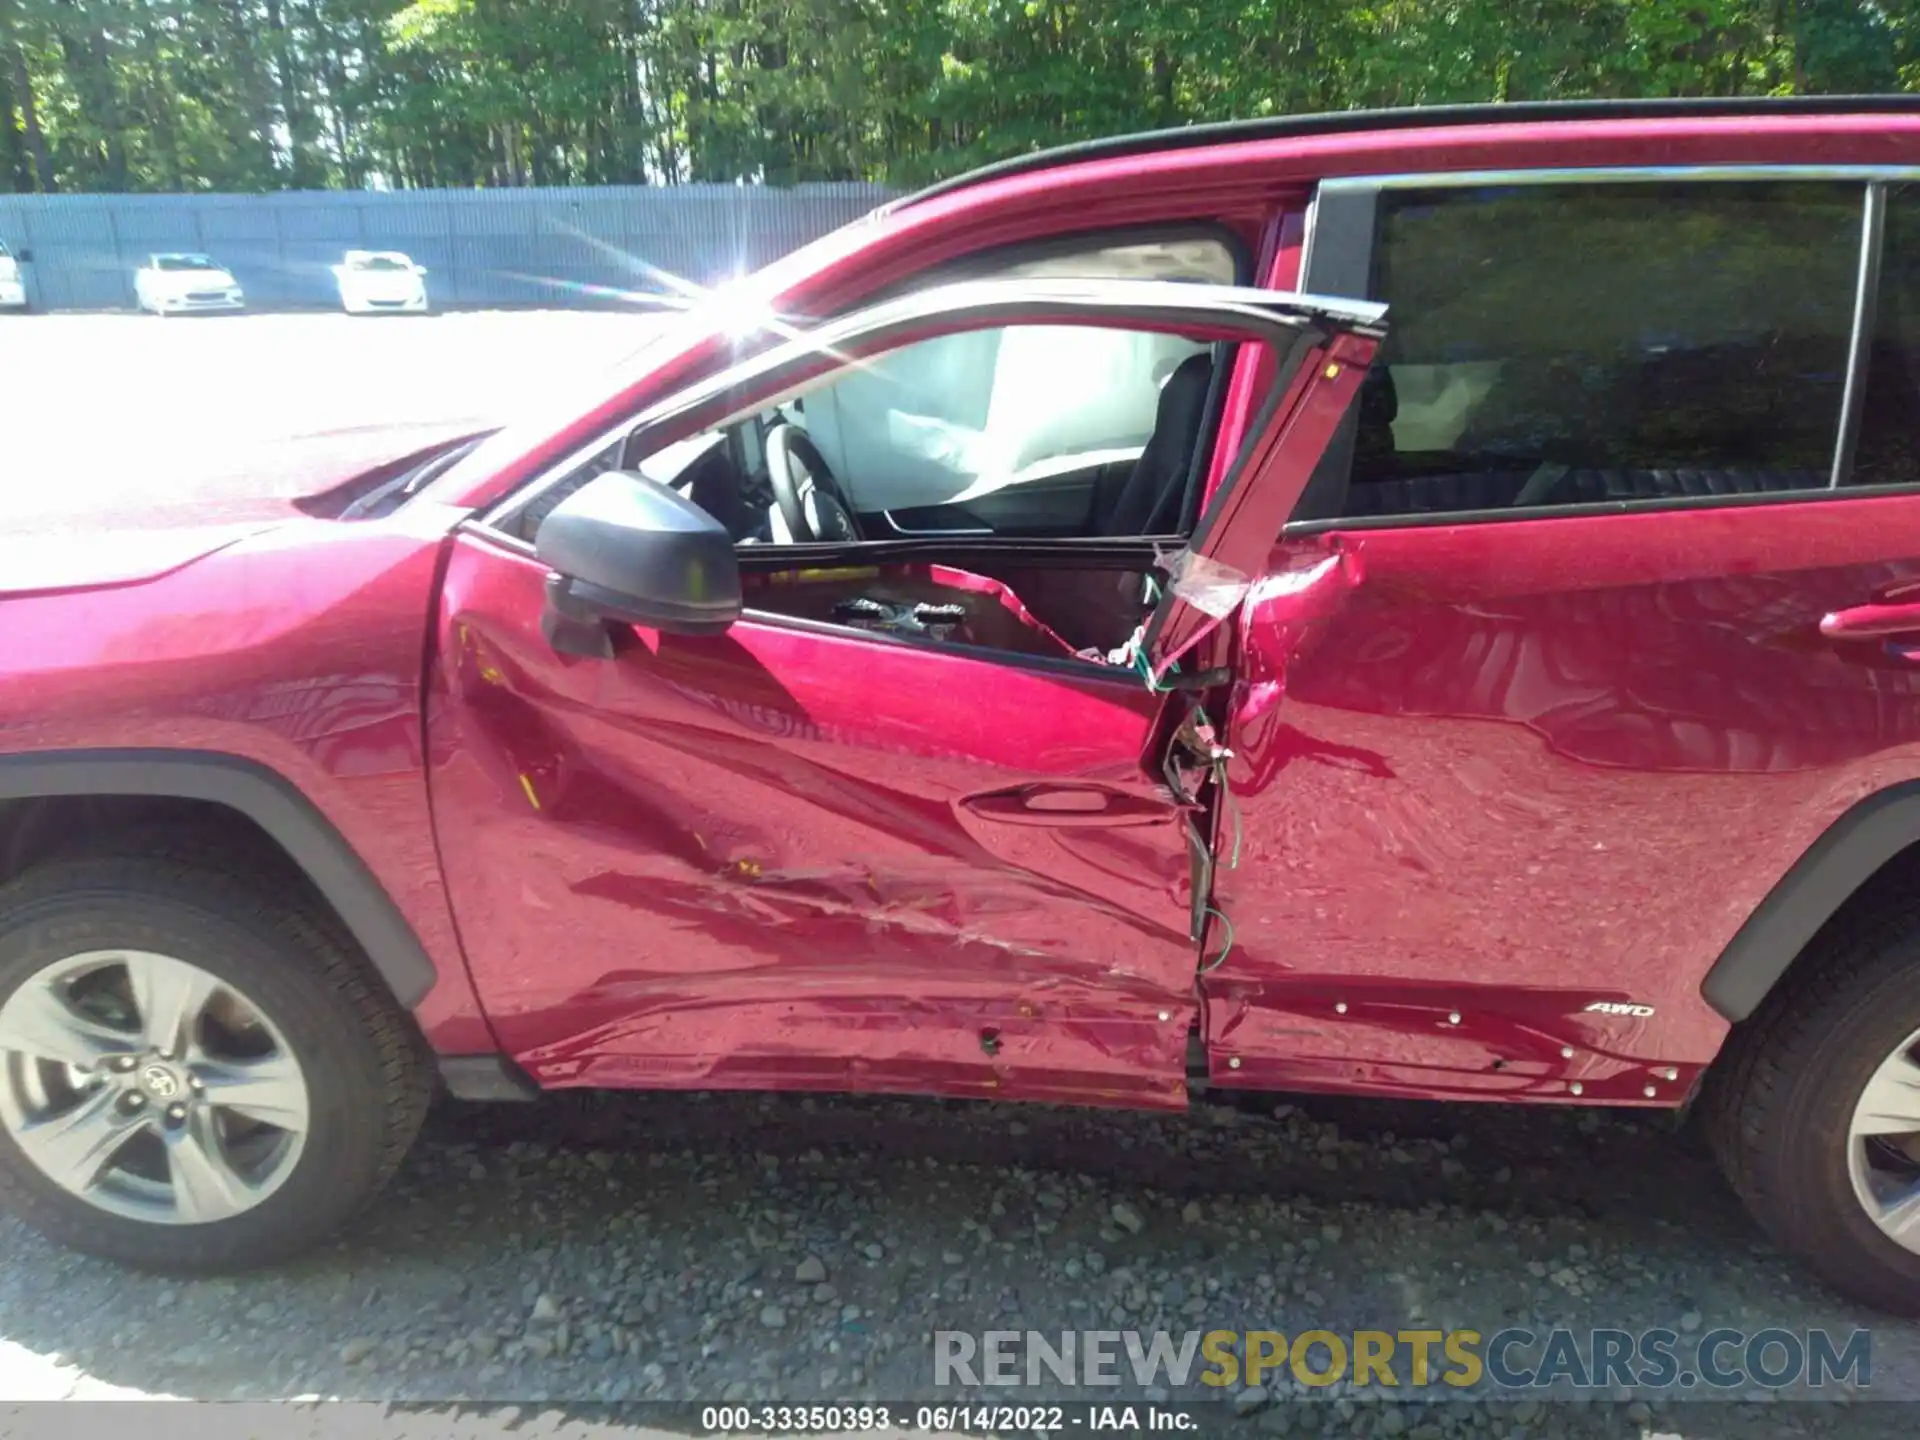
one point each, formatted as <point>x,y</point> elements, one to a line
<point>801,855</point>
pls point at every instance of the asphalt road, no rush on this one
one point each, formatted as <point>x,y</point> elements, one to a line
<point>535,1262</point>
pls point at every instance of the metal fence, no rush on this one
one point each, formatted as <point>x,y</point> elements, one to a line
<point>555,247</point>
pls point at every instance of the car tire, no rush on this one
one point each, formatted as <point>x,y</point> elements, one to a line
<point>308,1006</point>
<point>1782,1104</point>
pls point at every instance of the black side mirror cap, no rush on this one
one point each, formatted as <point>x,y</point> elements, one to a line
<point>25,257</point>
<point>626,549</point>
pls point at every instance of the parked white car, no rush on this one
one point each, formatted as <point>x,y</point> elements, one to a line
<point>376,280</point>
<point>176,282</point>
<point>13,285</point>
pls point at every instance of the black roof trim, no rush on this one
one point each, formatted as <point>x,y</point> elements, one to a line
<point>1338,122</point>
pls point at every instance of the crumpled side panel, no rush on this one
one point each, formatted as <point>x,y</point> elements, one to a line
<point>752,860</point>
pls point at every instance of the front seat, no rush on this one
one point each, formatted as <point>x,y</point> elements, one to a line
<point>1149,503</point>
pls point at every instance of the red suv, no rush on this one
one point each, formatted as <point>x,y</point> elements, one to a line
<point>1415,604</point>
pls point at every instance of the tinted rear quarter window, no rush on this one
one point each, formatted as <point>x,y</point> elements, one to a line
<point>1889,446</point>
<point>1567,344</point>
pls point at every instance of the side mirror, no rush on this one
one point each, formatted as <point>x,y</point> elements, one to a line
<point>624,548</point>
<point>25,257</point>
<point>419,269</point>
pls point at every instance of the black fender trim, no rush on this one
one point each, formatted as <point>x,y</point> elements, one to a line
<point>271,802</point>
<point>1820,882</point>
<point>490,1078</point>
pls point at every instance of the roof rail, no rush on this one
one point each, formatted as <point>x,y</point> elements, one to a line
<point>1337,122</point>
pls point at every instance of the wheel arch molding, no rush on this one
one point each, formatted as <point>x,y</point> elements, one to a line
<point>1854,849</point>
<point>272,803</point>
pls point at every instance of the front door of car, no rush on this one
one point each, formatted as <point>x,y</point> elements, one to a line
<point>802,855</point>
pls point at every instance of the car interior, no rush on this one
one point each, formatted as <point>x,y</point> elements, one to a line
<point>1021,481</point>
<point>1584,366</point>
<point>1481,468</point>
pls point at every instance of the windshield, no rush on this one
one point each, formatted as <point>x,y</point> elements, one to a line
<point>736,314</point>
<point>183,262</point>
<point>379,262</point>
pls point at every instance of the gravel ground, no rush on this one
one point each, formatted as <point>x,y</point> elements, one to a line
<point>535,1262</point>
<point>695,1249</point>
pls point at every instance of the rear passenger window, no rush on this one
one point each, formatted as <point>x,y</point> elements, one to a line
<point>1889,445</point>
<point>1556,345</point>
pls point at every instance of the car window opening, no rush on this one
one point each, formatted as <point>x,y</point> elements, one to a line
<point>1024,479</point>
<point>1049,612</point>
<point>1024,472</point>
<point>1584,364</point>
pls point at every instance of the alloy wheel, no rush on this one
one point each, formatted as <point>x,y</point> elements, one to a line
<point>150,1088</point>
<point>1883,1146</point>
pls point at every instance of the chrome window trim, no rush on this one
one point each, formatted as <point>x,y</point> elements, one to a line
<point>1601,509</point>
<point>1616,174</point>
<point>1866,314</point>
<point>1309,229</point>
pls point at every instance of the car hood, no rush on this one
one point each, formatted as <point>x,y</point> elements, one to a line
<point>190,489</point>
<point>43,565</point>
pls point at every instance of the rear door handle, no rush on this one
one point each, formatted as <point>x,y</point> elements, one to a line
<point>1056,804</point>
<point>1877,621</point>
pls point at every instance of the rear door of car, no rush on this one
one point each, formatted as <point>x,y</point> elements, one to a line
<point>1602,607</point>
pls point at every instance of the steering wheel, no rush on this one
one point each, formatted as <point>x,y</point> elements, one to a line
<point>805,491</point>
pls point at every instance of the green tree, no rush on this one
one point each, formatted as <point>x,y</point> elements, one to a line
<point>263,94</point>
